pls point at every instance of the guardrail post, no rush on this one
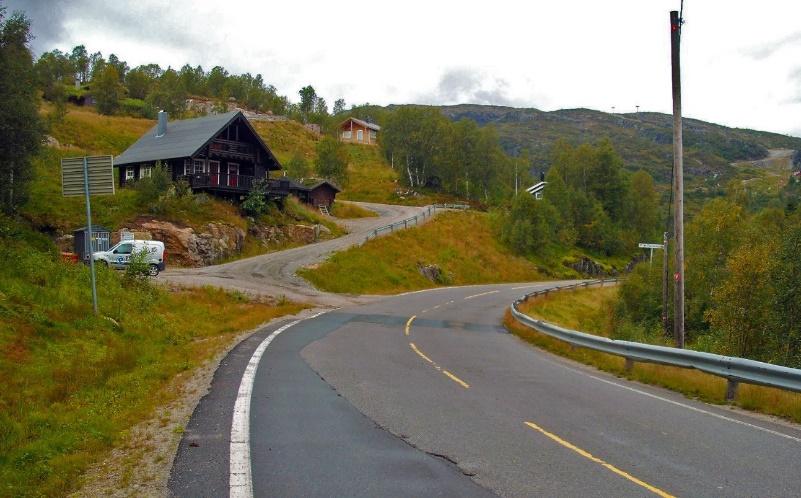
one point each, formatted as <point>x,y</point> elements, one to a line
<point>629,365</point>
<point>731,390</point>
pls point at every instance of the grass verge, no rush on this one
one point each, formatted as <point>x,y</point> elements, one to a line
<point>348,210</point>
<point>586,310</point>
<point>460,243</point>
<point>73,383</point>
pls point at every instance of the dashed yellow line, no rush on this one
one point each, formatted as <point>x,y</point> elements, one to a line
<point>599,461</point>
<point>409,324</point>
<point>456,379</point>
<point>423,356</point>
<point>437,367</point>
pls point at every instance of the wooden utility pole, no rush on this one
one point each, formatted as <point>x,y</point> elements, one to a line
<point>678,176</point>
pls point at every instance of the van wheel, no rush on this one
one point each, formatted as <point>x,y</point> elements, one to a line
<point>153,270</point>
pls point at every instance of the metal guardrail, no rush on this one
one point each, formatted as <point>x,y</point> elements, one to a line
<point>414,220</point>
<point>734,369</point>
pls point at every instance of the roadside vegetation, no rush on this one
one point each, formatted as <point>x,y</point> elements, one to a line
<point>72,382</point>
<point>460,244</point>
<point>596,311</point>
<point>349,210</point>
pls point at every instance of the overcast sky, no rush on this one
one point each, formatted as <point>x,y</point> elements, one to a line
<point>741,59</point>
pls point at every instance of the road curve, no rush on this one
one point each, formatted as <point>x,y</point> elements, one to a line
<point>425,394</point>
<point>274,273</point>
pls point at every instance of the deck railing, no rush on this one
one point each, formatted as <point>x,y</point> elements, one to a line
<point>219,181</point>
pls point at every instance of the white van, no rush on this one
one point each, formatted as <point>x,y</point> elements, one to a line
<point>117,257</point>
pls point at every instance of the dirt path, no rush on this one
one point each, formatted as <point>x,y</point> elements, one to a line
<point>274,273</point>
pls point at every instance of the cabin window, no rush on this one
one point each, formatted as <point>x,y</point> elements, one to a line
<point>373,134</point>
<point>145,171</point>
<point>200,166</point>
<point>347,135</point>
<point>360,135</point>
<point>130,174</point>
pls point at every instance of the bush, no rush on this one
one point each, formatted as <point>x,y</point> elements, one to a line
<point>255,204</point>
<point>149,189</point>
<point>332,160</point>
<point>138,269</point>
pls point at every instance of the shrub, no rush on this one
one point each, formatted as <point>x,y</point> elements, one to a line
<point>255,204</point>
<point>149,189</point>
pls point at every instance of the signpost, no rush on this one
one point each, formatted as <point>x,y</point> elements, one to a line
<point>87,176</point>
<point>651,247</point>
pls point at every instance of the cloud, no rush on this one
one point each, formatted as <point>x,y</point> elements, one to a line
<point>47,20</point>
<point>60,22</point>
<point>468,86</point>
<point>765,50</point>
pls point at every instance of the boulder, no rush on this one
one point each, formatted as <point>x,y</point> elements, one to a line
<point>433,273</point>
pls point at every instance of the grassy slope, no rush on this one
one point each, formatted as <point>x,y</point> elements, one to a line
<point>590,311</point>
<point>83,131</point>
<point>348,210</point>
<point>72,382</point>
<point>461,243</point>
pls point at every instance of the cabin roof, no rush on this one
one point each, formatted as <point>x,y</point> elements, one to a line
<point>371,126</point>
<point>184,138</point>
<point>311,184</point>
<point>536,188</point>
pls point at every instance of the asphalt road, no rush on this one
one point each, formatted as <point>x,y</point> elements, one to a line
<point>366,401</point>
<point>274,273</point>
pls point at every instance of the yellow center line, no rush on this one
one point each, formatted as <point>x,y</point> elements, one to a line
<point>456,379</point>
<point>409,324</point>
<point>414,348</point>
<point>482,294</point>
<point>437,367</point>
<point>597,460</point>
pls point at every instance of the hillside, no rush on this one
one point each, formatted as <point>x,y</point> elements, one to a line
<point>643,139</point>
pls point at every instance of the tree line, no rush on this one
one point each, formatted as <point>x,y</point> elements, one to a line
<point>460,158</point>
<point>589,201</point>
<point>743,296</point>
<point>145,89</point>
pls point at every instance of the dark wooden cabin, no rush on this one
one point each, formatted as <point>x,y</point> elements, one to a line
<point>315,193</point>
<point>221,154</point>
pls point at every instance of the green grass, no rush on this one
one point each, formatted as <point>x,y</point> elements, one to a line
<point>84,130</point>
<point>460,243</point>
<point>590,311</point>
<point>287,138</point>
<point>48,210</point>
<point>348,210</point>
<point>74,383</point>
<point>371,178</point>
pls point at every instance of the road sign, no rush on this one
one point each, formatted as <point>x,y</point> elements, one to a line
<point>651,246</point>
<point>86,176</point>
<point>100,170</point>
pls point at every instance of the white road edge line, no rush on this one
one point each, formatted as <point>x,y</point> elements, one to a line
<point>700,410</point>
<point>676,403</point>
<point>482,294</point>
<point>240,482</point>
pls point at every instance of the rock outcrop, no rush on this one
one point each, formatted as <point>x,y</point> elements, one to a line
<point>586,266</point>
<point>186,247</point>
